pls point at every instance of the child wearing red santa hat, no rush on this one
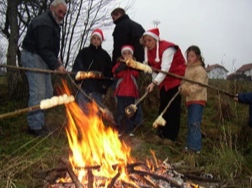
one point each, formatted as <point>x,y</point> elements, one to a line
<point>93,58</point>
<point>166,56</point>
<point>126,91</point>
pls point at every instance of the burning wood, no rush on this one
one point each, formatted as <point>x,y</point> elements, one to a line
<point>99,159</point>
<point>140,173</point>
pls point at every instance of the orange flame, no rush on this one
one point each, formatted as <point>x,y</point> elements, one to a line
<point>93,144</point>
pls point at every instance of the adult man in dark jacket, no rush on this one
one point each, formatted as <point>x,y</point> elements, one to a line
<point>40,50</point>
<point>126,32</point>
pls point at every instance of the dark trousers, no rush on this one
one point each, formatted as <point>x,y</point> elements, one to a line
<point>124,124</point>
<point>172,115</point>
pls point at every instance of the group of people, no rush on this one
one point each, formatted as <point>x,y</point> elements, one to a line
<point>131,41</point>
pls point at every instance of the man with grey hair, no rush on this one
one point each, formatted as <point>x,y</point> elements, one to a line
<point>40,50</point>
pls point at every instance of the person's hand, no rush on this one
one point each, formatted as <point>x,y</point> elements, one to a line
<point>151,86</point>
<point>236,98</point>
<point>61,68</point>
<point>184,90</point>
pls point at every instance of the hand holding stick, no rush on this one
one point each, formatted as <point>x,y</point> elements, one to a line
<point>160,121</point>
<point>131,109</point>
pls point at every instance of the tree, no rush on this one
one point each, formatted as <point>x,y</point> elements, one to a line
<point>83,16</point>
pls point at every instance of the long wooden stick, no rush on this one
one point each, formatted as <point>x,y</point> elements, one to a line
<point>143,67</point>
<point>167,106</point>
<point>44,104</point>
<point>52,72</point>
<point>192,81</point>
<point>28,109</point>
<point>35,69</point>
<point>142,98</point>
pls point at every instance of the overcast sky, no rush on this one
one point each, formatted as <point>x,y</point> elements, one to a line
<point>221,28</point>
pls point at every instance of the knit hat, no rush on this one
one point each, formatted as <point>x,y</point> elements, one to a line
<point>127,47</point>
<point>99,33</point>
<point>154,33</point>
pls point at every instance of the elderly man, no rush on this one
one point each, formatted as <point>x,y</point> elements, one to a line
<point>40,50</point>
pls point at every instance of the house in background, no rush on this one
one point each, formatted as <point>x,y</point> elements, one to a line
<point>216,71</point>
<point>243,73</point>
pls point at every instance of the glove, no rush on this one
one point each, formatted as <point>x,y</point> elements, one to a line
<point>121,67</point>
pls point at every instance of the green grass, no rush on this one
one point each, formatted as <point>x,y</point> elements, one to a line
<point>226,153</point>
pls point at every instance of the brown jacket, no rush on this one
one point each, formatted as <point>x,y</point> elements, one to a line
<point>195,92</point>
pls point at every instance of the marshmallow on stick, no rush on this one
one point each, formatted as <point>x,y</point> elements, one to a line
<point>139,66</point>
<point>81,75</point>
<point>44,104</point>
<point>56,100</point>
<point>160,121</point>
<point>131,109</point>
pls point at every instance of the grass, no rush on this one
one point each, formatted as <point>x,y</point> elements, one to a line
<point>226,153</point>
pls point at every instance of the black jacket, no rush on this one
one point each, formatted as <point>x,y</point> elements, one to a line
<point>43,38</point>
<point>127,32</point>
<point>94,59</point>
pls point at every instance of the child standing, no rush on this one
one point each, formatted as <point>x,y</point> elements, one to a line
<point>93,58</point>
<point>196,97</point>
<point>126,91</point>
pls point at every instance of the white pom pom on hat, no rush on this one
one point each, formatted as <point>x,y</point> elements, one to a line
<point>154,33</point>
<point>99,33</point>
<point>127,47</point>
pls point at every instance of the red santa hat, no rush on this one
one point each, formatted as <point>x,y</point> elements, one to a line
<point>154,33</point>
<point>99,33</point>
<point>127,47</point>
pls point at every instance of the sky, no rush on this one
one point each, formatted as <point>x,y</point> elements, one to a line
<point>221,28</point>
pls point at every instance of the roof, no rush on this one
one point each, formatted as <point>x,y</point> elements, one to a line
<point>245,67</point>
<point>211,67</point>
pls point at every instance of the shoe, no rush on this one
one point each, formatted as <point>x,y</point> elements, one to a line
<point>38,132</point>
<point>131,135</point>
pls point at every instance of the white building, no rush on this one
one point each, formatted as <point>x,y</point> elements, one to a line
<point>216,71</point>
<point>245,69</point>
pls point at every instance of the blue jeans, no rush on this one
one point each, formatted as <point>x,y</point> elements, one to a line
<point>83,101</point>
<point>195,112</point>
<point>40,87</point>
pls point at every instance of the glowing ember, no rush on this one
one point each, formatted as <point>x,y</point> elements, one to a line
<point>92,144</point>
